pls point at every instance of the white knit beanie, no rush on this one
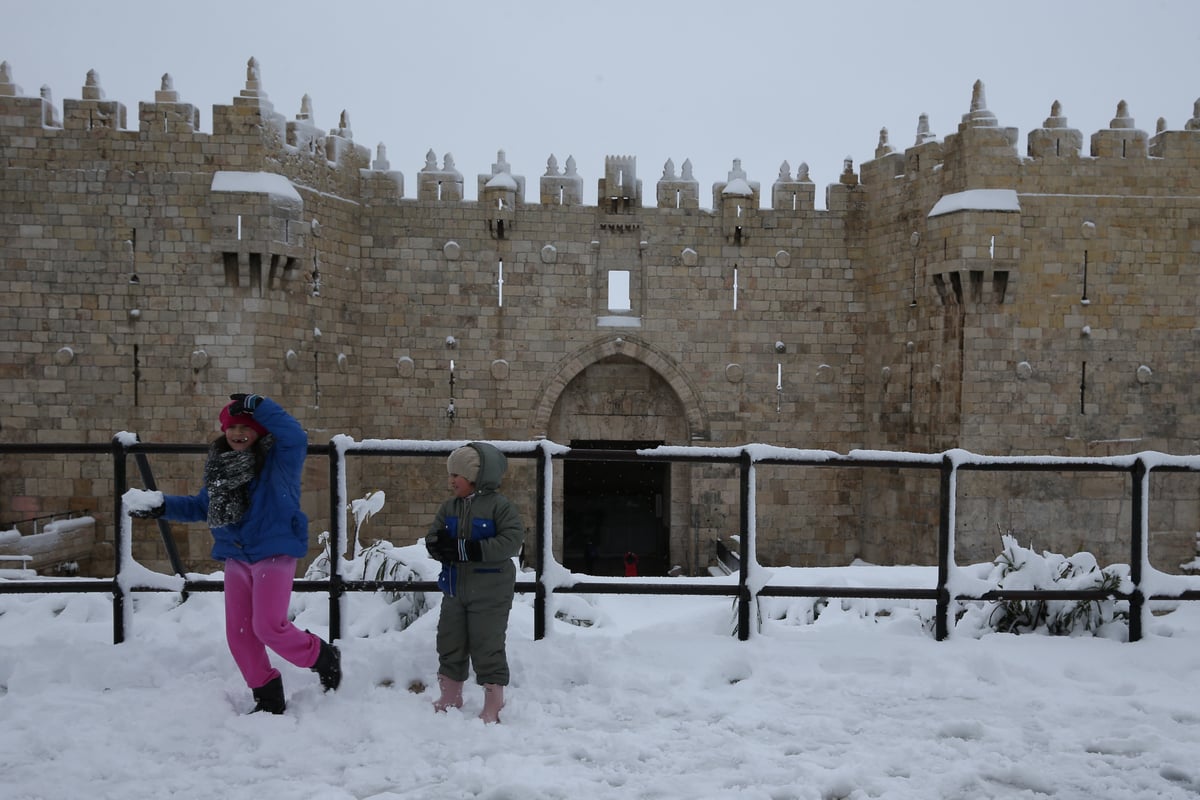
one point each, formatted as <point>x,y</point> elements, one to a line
<point>464,461</point>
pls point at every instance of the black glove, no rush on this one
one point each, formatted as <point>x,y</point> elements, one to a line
<point>442,546</point>
<point>148,513</point>
<point>448,549</point>
<point>243,403</point>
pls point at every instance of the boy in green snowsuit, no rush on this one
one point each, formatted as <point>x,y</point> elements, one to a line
<point>475,534</point>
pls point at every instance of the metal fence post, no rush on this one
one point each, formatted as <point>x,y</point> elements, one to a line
<point>337,522</point>
<point>1137,547</point>
<point>120,481</point>
<point>539,559</point>
<point>941,618</point>
<point>747,548</point>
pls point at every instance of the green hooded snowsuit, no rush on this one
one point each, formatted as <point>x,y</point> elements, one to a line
<point>477,595</point>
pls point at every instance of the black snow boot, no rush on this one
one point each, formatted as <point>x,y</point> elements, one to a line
<point>328,666</point>
<point>269,697</point>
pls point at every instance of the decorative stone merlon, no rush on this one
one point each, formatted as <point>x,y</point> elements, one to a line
<point>91,88</point>
<point>166,93</point>
<point>7,87</point>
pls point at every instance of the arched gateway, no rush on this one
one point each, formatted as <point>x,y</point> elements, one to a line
<point>620,393</point>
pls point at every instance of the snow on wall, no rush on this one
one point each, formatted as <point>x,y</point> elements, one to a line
<point>255,183</point>
<point>977,200</point>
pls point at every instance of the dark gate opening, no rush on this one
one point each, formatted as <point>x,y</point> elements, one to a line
<point>612,508</point>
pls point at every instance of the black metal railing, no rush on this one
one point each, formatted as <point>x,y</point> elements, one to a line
<point>745,458</point>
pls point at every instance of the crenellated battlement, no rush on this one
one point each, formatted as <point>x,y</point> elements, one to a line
<point>249,130</point>
<point>248,134</point>
<point>982,152</point>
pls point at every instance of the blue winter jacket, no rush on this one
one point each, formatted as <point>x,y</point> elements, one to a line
<point>274,525</point>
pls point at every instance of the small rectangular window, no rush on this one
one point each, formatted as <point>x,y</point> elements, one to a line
<point>618,290</point>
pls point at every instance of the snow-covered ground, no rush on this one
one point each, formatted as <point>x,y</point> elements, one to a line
<point>655,699</point>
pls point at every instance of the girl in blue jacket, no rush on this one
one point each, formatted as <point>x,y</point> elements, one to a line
<point>251,500</point>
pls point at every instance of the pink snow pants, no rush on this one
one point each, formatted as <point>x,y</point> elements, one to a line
<point>256,617</point>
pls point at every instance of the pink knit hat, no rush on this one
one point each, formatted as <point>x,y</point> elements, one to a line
<point>229,420</point>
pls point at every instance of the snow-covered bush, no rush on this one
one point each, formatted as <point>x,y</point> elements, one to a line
<point>1020,568</point>
<point>1015,568</point>
<point>381,561</point>
<point>820,610</point>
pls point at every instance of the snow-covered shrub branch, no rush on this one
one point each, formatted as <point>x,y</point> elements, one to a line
<point>1016,568</point>
<point>379,561</point>
<point>1020,568</point>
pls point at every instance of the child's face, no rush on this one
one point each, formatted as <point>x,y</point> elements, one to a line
<point>460,486</point>
<point>241,437</point>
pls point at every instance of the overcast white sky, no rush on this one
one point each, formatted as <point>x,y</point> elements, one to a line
<point>709,80</point>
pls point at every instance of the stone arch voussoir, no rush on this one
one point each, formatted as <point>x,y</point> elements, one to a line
<point>666,367</point>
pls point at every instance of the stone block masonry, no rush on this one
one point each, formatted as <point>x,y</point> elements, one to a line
<point>955,294</point>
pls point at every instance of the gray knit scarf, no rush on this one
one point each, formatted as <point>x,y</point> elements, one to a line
<point>228,474</point>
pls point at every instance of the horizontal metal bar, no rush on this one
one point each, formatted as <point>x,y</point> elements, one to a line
<point>1038,466</point>
<point>158,447</point>
<point>702,455</point>
<point>612,588</point>
<point>48,448</point>
<point>1047,594</point>
<point>633,587</point>
<point>21,586</point>
<point>884,592</point>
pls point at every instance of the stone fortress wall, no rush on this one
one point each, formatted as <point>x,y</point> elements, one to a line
<point>960,292</point>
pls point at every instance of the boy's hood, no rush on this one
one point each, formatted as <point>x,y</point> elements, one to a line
<point>492,465</point>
